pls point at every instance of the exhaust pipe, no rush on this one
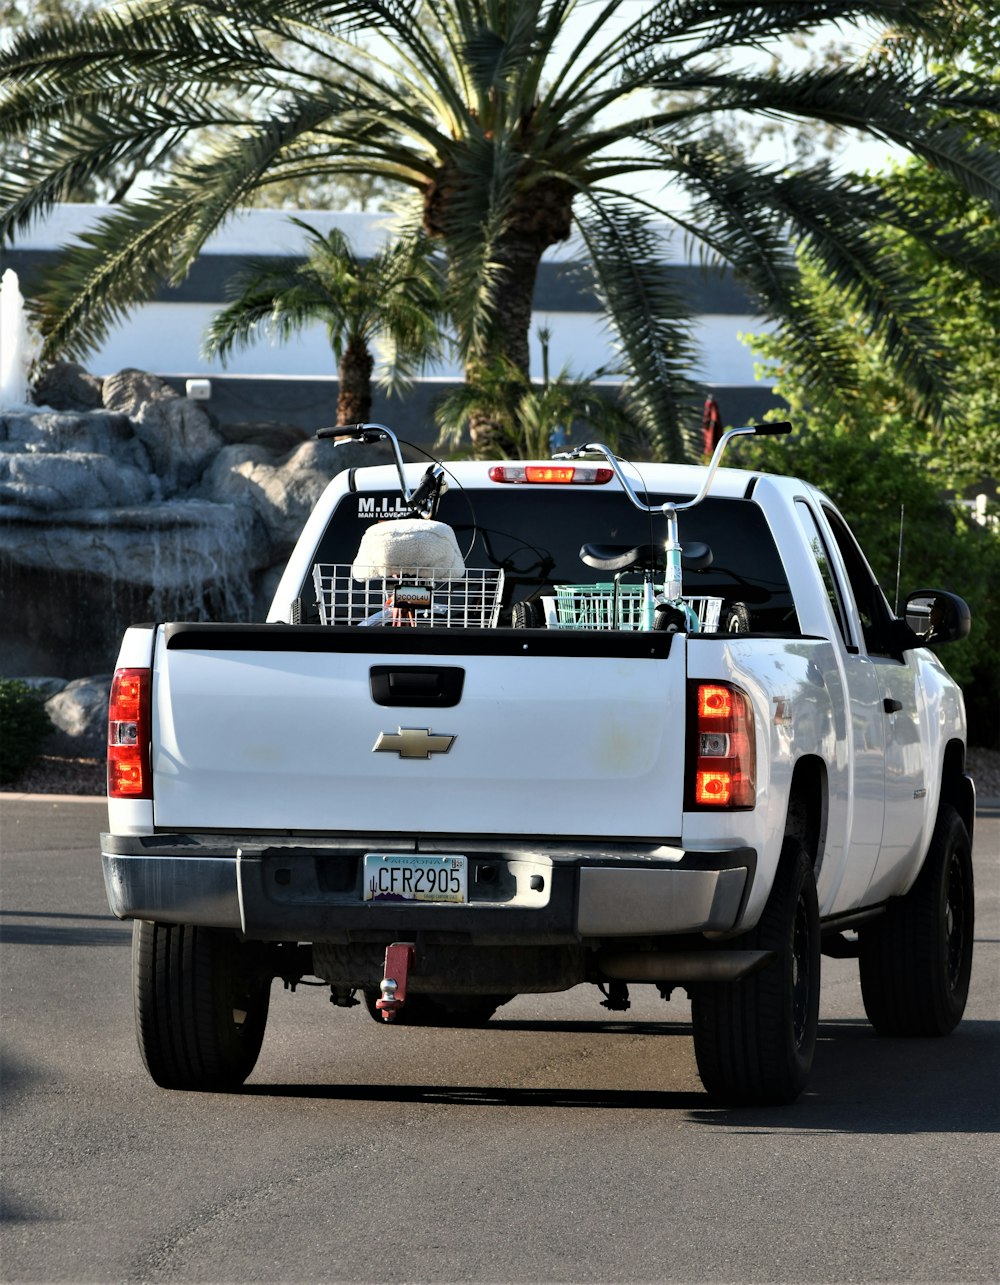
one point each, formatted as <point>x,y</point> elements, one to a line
<point>684,966</point>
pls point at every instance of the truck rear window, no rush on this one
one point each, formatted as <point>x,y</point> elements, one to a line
<point>535,537</point>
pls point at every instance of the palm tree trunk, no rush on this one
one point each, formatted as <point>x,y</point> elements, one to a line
<point>542,216</point>
<point>354,401</point>
<point>521,256</point>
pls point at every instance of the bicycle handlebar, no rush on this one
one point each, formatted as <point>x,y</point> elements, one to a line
<point>354,432</point>
<point>599,448</point>
<point>369,433</point>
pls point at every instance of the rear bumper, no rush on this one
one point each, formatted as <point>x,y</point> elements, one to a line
<point>521,892</point>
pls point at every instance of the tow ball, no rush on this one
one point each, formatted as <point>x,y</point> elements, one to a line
<point>398,962</point>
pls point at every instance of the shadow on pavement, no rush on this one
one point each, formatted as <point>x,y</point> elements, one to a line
<point>82,930</point>
<point>860,1084</point>
<point>482,1095</point>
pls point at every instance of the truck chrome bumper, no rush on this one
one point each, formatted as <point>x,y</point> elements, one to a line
<point>644,899</point>
<point>173,889</point>
<point>535,893</point>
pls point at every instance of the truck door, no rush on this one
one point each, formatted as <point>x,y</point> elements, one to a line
<point>901,696</point>
<point>858,792</point>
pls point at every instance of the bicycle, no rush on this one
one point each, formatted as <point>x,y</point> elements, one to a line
<point>663,608</point>
<point>411,570</point>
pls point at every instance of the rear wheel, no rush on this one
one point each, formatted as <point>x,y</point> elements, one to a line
<point>737,618</point>
<point>670,620</point>
<point>440,1010</point>
<point>527,615</point>
<point>916,960</point>
<point>754,1039</point>
<point>200,1005</point>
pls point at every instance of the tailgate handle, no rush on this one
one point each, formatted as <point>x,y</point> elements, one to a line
<point>417,685</point>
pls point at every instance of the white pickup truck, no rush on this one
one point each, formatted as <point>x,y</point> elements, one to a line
<point>523,770</point>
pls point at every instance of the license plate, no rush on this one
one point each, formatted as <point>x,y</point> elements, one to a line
<point>389,877</point>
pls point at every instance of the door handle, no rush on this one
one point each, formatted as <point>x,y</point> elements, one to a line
<point>892,706</point>
<point>417,685</point>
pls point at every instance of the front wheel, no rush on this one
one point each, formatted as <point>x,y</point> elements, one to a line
<point>200,1005</point>
<point>754,1039</point>
<point>916,960</point>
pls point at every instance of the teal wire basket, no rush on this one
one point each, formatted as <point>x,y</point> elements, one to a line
<point>611,606</point>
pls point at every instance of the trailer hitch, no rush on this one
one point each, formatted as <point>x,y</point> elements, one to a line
<point>398,962</point>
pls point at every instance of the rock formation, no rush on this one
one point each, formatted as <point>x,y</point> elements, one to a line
<point>122,501</point>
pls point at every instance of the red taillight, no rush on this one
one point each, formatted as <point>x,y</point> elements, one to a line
<point>129,774</point>
<point>722,756</point>
<point>549,474</point>
<point>714,701</point>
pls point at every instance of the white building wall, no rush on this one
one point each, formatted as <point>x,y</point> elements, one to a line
<point>167,337</point>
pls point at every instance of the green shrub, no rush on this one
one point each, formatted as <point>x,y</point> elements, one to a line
<point>24,726</point>
<point>943,548</point>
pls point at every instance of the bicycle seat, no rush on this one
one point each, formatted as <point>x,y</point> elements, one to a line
<point>619,557</point>
<point>696,556</point>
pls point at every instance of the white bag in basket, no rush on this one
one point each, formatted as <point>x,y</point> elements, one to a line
<point>408,547</point>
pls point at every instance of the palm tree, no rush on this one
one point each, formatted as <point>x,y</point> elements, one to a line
<point>393,297</point>
<point>514,123</point>
<point>530,414</point>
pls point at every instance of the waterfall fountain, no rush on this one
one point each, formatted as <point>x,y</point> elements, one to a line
<point>15,344</point>
<point>121,500</point>
<point>133,508</point>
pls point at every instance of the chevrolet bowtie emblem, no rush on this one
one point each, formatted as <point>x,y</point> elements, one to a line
<point>412,743</point>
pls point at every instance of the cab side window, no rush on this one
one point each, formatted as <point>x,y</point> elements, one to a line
<point>874,611</point>
<point>817,545</point>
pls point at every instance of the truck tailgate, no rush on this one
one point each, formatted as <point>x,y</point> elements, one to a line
<point>261,728</point>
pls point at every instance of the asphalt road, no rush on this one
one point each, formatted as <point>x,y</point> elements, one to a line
<point>552,1146</point>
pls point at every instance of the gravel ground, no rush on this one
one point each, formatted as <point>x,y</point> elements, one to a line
<point>52,775</point>
<point>49,775</point>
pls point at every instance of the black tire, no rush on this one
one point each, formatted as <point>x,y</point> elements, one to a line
<point>200,1006</point>
<point>467,1011</point>
<point>737,618</point>
<point>755,1039</point>
<point>527,615</point>
<point>669,620</point>
<point>916,959</point>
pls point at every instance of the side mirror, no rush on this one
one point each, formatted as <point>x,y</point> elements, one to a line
<point>936,616</point>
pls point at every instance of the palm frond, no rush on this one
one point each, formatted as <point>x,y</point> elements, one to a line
<point>393,297</point>
<point>266,298</point>
<point>710,26</point>
<point>753,220</point>
<point>976,256</point>
<point>53,167</point>
<point>876,101</point>
<point>494,56</point>
<point>111,263</point>
<point>650,319</point>
<point>130,46</point>
<point>93,285</point>
<point>476,220</point>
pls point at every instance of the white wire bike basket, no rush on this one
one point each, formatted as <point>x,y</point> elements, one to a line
<point>610,606</point>
<point>407,597</point>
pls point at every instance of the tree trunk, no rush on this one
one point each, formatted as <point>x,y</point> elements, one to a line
<point>354,401</point>
<point>542,216</point>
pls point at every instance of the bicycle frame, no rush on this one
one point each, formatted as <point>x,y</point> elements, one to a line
<point>672,595</point>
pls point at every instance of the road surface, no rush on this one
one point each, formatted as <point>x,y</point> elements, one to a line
<point>562,1143</point>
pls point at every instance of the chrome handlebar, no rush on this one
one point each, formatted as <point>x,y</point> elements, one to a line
<point>600,448</point>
